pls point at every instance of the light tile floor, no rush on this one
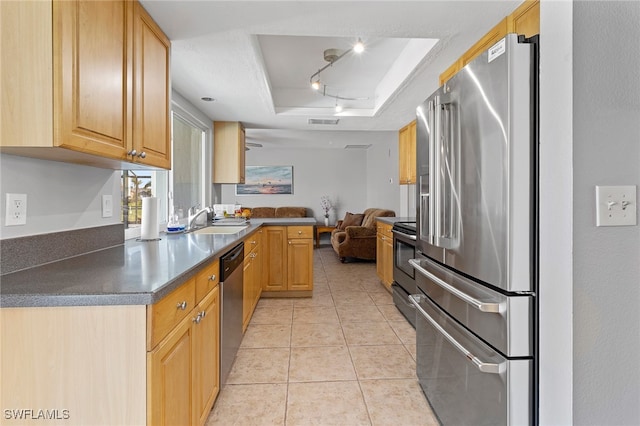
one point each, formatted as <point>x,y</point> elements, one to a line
<point>346,356</point>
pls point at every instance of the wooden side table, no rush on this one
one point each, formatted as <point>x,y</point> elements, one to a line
<point>322,229</point>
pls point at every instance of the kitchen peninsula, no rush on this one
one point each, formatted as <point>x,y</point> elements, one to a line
<point>95,337</point>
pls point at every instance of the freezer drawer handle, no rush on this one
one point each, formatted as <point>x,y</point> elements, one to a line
<point>479,305</point>
<point>483,367</point>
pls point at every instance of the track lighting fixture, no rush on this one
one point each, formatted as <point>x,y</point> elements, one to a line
<point>332,56</point>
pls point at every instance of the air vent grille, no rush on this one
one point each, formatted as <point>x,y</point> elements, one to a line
<point>357,146</point>
<point>333,121</point>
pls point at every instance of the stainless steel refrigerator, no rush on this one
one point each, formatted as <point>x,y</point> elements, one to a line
<point>476,270</point>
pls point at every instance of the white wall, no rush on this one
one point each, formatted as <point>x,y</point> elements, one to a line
<point>340,174</point>
<point>354,179</point>
<point>383,190</point>
<point>606,261</point>
<point>60,196</point>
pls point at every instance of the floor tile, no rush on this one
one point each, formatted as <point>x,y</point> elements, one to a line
<point>260,366</point>
<point>396,402</point>
<point>272,315</point>
<point>404,331</point>
<point>382,362</point>
<point>315,315</point>
<point>344,356</point>
<point>326,403</point>
<point>325,363</point>
<point>316,335</point>
<point>381,297</point>
<point>369,333</point>
<point>359,313</point>
<point>252,404</point>
<point>391,313</point>
<point>267,336</point>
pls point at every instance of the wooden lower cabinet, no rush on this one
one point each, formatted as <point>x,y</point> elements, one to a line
<point>300,264</point>
<point>170,382</point>
<point>183,369</point>
<point>206,356</point>
<point>384,254</point>
<point>288,264</point>
<point>252,280</point>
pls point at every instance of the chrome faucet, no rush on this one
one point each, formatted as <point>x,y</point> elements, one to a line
<point>194,214</point>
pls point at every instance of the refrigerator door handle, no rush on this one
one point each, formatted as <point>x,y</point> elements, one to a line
<point>484,367</point>
<point>434,148</point>
<point>432,174</point>
<point>492,307</point>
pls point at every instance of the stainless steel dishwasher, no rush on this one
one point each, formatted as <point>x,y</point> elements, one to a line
<point>231,266</point>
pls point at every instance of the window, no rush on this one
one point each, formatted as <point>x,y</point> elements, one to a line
<point>178,189</point>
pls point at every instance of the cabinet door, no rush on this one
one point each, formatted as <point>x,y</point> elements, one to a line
<point>275,245</point>
<point>92,79</point>
<point>206,336</point>
<point>388,261</point>
<point>257,271</point>
<point>247,289</point>
<point>407,154</point>
<point>380,264</point>
<point>300,264</point>
<point>151,129</point>
<point>228,152</point>
<point>169,378</point>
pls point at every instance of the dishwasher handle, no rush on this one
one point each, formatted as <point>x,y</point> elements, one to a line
<point>231,261</point>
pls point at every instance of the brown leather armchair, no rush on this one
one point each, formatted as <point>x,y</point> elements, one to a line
<point>358,241</point>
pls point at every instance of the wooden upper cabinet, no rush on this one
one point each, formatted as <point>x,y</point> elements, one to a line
<point>407,154</point>
<point>228,152</point>
<point>151,125</point>
<point>75,77</point>
<point>524,20</point>
<point>92,48</point>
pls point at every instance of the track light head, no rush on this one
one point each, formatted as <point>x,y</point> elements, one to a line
<point>359,46</point>
<point>315,85</point>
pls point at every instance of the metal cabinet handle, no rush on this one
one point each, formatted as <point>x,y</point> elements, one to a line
<point>197,319</point>
<point>289,242</point>
<point>299,232</point>
<point>254,242</point>
<point>132,153</point>
<point>142,154</point>
<point>212,277</point>
<point>478,304</point>
<point>182,305</point>
<point>203,314</point>
<point>484,367</point>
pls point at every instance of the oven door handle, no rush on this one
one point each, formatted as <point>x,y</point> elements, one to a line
<point>492,307</point>
<point>484,367</point>
<point>403,235</point>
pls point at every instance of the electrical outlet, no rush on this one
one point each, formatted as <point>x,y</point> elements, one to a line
<point>107,205</point>
<point>16,213</point>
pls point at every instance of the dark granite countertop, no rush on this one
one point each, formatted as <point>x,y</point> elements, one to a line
<point>135,273</point>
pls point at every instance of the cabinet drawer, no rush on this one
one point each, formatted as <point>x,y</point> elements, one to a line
<point>384,229</point>
<point>299,231</point>
<point>207,279</point>
<point>251,242</point>
<point>167,313</point>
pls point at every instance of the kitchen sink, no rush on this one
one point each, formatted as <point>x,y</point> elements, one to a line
<point>221,230</point>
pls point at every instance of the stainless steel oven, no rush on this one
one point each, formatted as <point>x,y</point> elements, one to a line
<point>404,283</point>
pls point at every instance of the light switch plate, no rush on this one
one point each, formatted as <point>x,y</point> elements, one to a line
<point>616,205</point>
<point>107,205</point>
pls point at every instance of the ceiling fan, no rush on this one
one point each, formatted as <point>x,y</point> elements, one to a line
<point>251,144</point>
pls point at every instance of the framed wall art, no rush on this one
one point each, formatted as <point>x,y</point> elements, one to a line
<point>266,180</point>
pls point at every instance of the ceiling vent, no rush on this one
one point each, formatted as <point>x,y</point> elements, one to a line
<point>357,146</point>
<point>333,121</point>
